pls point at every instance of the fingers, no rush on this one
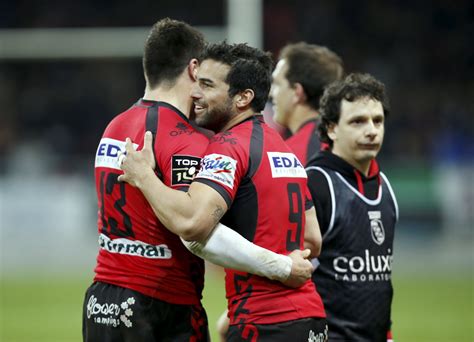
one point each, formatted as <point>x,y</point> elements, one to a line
<point>306,253</point>
<point>148,141</point>
<point>128,145</point>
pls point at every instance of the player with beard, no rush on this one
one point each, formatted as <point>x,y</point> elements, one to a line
<point>356,210</point>
<point>251,180</point>
<point>147,285</point>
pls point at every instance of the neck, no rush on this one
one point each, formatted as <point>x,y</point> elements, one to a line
<point>362,166</point>
<point>178,96</point>
<point>238,119</point>
<point>301,114</point>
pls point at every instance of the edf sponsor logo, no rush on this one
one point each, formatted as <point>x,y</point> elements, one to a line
<point>108,152</point>
<point>285,164</point>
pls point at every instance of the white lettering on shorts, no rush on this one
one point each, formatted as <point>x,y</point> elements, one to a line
<point>110,313</point>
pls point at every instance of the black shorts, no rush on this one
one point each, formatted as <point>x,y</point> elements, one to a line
<point>304,330</point>
<point>113,313</point>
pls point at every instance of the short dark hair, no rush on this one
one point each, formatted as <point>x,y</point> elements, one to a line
<point>169,47</point>
<point>313,66</point>
<point>352,88</point>
<point>250,68</point>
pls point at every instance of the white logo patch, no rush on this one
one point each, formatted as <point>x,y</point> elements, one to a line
<point>219,168</point>
<point>111,313</point>
<point>136,248</point>
<point>376,227</point>
<point>285,165</point>
<point>108,152</point>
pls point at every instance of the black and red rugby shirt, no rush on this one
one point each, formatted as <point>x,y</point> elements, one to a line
<point>264,185</point>
<point>137,251</point>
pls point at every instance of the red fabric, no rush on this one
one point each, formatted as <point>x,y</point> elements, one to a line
<point>178,279</point>
<point>253,299</point>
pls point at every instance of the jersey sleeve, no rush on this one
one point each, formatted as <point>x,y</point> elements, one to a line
<point>223,167</point>
<point>179,161</point>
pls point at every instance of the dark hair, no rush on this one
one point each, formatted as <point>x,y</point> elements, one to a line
<point>352,88</point>
<point>313,66</point>
<point>169,47</point>
<point>250,68</point>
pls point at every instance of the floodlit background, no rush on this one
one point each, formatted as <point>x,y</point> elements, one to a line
<point>66,68</point>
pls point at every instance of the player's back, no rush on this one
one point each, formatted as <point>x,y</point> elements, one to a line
<point>269,210</point>
<point>137,251</point>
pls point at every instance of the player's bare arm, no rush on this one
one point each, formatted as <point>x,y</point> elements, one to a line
<point>312,233</point>
<point>191,215</point>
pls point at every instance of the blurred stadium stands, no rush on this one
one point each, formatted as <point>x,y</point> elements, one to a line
<point>56,96</point>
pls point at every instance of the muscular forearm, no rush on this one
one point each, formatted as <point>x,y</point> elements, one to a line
<point>175,209</point>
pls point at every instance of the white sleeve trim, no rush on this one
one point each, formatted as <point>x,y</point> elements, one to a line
<point>389,186</point>
<point>227,248</point>
<point>333,198</point>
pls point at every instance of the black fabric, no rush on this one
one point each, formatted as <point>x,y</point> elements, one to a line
<point>152,126</point>
<point>319,189</point>
<point>307,329</point>
<point>354,272</point>
<point>114,314</point>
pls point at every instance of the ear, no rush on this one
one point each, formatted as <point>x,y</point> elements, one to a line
<point>193,66</point>
<point>332,131</point>
<point>244,98</point>
<point>300,95</point>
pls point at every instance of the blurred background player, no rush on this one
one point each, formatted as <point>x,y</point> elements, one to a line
<point>244,175</point>
<point>299,78</point>
<point>356,210</point>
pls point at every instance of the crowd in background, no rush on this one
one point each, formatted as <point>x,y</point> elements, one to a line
<point>420,50</point>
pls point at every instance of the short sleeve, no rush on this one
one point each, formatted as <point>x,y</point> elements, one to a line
<point>223,167</point>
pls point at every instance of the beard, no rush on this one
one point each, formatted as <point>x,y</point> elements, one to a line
<point>216,118</point>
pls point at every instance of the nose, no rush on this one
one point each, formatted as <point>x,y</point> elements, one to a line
<point>196,92</point>
<point>371,129</point>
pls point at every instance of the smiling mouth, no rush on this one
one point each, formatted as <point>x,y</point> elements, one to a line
<point>198,109</point>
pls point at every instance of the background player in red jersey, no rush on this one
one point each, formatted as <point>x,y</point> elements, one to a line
<point>299,78</point>
<point>357,211</point>
<point>249,174</point>
<point>147,285</point>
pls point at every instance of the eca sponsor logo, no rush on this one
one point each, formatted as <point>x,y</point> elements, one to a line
<point>183,169</point>
<point>108,152</point>
<point>285,164</point>
<point>110,313</point>
<point>219,168</point>
<point>367,267</point>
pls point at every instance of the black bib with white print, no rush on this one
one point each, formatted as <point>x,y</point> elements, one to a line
<point>355,265</point>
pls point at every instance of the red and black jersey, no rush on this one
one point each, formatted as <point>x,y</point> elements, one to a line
<point>137,251</point>
<point>305,142</point>
<point>264,185</point>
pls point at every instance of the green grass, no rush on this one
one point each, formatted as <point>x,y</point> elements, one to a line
<point>425,308</point>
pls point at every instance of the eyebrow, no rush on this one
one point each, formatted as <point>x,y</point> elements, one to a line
<point>205,80</point>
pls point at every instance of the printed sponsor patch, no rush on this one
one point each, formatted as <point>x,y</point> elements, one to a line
<point>134,247</point>
<point>108,152</point>
<point>219,168</point>
<point>183,169</point>
<point>285,164</point>
<point>111,314</point>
